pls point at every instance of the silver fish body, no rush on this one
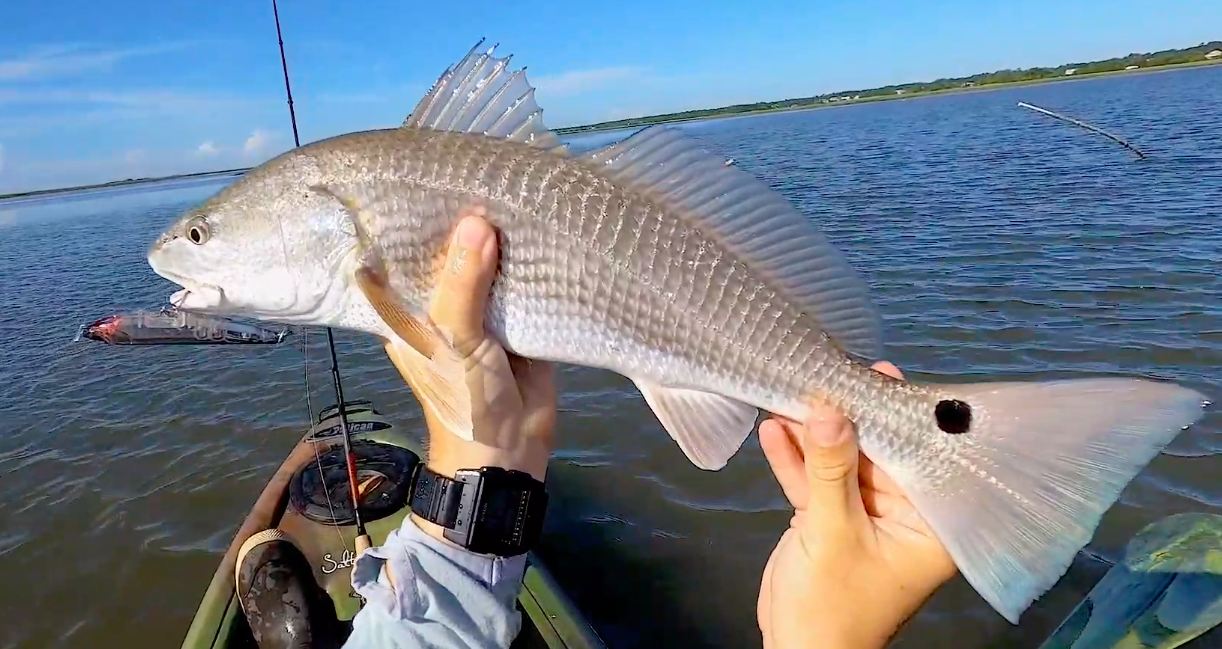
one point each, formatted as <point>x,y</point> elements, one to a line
<point>592,273</point>
<point>656,260</point>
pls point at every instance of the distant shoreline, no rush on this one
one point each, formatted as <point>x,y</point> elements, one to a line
<point>120,183</point>
<point>736,111</point>
<point>976,83</point>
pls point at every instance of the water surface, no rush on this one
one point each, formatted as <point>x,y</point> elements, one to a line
<point>999,243</point>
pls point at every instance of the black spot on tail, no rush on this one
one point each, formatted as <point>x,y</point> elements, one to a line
<point>954,416</point>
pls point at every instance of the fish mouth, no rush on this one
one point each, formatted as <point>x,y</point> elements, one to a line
<point>202,298</point>
<point>194,296</point>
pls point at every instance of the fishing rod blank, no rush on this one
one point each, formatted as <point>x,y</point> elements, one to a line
<point>362,537</point>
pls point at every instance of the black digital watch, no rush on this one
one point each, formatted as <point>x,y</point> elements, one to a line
<point>487,511</point>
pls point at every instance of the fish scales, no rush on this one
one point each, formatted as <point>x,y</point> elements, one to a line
<point>582,259</point>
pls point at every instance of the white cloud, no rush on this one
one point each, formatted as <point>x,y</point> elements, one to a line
<point>579,81</point>
<point>72,108</point>
<point>258,143</point>
<point>68,59</point>
<point>207,149</point>
<point>169,99</point>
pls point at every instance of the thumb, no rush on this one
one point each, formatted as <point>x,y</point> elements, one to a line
<point>465,282</point>
<point>829,445</point>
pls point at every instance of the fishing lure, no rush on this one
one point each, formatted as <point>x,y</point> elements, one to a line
<point>171,326</point>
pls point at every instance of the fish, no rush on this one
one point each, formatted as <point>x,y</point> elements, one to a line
<point>655,259</point>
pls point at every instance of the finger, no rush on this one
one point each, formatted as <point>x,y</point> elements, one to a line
<point>885,367</point>
<point>528,370</point>
<point>872,477</point>
<point>829,444</point>
<point>465,282</point>
<point>777,438</point>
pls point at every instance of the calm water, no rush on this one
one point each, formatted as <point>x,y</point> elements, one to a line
<point>998,242</point>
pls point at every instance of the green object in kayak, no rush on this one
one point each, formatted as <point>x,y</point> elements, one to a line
<point>1164,593</point>
<point>296,503</point>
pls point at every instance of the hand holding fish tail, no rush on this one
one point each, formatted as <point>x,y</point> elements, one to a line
<point>513,400</point>
<point>857,560</point>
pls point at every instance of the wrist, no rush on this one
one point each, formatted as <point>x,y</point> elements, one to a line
<point>447,454</point>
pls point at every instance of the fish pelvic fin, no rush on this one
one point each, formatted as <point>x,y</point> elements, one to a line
<point>1035,470</point>
<point>437,371</point>
<point>480,95</point>
<point>753,223</point>
<point>708,428</point>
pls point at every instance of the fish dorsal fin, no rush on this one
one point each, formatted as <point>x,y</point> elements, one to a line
<point>756,224</point>
<point>480,95</point>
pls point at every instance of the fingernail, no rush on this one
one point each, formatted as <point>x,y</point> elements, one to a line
<point>470,234</point>
<point>467,237</point>
<point>830,433</point>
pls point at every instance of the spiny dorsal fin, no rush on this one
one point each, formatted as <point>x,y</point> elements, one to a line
<point>480,95</point>
<point>756,224</point>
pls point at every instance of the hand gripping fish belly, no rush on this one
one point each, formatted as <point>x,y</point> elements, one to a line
<point>655,259</point>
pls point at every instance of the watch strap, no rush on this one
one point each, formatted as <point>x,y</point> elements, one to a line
<point>436,498</point>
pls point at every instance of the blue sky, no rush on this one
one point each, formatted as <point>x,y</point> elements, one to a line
<point>93,91</point>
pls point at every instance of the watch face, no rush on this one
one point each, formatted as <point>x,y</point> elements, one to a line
<point>498,512</point>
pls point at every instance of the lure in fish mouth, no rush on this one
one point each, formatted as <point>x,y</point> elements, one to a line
<point>201,298</point>
<point>712,293</point>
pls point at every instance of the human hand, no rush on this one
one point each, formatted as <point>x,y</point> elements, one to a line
<point>857,560</point>
<point>514,409</point>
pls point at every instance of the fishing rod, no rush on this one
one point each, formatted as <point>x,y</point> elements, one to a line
<point>1090,127</point>
<point>362,537</point>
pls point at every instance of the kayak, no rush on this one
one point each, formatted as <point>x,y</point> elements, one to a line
<point>1165,592</point>
<point>306,503</point>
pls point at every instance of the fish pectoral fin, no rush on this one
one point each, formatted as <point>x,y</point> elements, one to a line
<point>708,428</point>
<point>437,371</point>
<point>480,95</point>
<point>357,216</point>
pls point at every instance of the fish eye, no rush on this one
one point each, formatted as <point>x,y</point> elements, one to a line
<point>197,231</point>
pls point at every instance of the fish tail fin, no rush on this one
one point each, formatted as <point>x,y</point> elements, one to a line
<point>1036,468</point>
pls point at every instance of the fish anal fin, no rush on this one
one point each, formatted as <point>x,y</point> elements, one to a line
<point>1038,466</point>
<point>755,224</point>
<point>708,428</point>
<point>436,372</point>
<point>480,95</point>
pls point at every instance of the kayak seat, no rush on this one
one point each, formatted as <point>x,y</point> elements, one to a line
<point>283,604</point>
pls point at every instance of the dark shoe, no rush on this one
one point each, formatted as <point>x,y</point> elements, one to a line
<point>283,603</point>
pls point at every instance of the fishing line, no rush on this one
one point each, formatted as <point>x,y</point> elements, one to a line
<point>322,475</point>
